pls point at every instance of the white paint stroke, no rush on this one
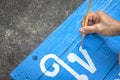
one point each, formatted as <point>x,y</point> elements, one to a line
<point>56,67</point>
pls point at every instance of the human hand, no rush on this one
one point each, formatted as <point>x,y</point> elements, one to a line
<point>99,22</point>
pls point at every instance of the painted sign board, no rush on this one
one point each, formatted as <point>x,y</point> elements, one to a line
<point>60,56</point>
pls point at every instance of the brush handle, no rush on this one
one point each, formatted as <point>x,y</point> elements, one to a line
<point>86,21</point>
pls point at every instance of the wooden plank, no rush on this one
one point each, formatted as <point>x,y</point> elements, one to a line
<point>65,40</point>
<point>103,55</point>
<point>114,74</point>
<point>75,48</point>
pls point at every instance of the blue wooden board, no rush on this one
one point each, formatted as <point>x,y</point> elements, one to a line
<point>60,56</point>
<point>114,74</point>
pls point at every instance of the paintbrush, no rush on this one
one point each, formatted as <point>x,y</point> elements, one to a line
<point>86,21</point>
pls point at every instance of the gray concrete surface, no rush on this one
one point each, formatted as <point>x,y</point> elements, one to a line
<point>24,24</point>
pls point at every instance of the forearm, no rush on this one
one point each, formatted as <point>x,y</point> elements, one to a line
<point>117,28</point>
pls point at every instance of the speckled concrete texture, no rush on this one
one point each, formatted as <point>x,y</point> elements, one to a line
<point>24,24</point>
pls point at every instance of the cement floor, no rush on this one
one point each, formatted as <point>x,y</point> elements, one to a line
<point>24,24</point>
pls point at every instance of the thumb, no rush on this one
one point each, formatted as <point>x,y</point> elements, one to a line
<point>90,29</point>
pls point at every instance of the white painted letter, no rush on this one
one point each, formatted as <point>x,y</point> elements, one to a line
<point>74,58</point>
<point>119,76</point>
<point>56,67</point>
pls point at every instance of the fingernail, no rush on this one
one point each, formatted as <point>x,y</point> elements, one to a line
<point>82,30</point>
